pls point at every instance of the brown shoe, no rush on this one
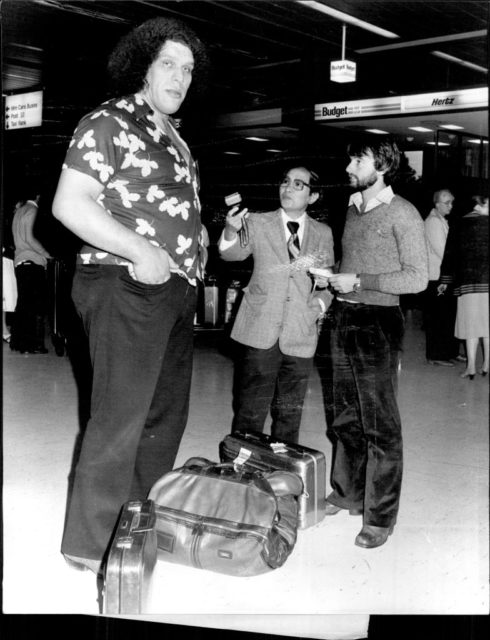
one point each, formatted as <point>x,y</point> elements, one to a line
<point>332,509</point>
<point>370,536</point>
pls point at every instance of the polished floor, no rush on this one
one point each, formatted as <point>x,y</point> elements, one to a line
<point>436,561</point>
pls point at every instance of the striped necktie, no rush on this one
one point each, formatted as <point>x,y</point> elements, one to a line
<point>293,242</point>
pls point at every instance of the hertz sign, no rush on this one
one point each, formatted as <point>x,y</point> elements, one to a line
<point>402,105</point>
<point>24,110</point>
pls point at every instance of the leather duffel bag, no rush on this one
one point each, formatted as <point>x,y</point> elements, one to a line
<point>211,516</point>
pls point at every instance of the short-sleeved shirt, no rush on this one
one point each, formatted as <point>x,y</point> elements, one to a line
<point>149,186</point>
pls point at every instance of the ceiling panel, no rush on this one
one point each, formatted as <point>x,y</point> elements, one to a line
<point>266,54</point>
<point>252,43</point>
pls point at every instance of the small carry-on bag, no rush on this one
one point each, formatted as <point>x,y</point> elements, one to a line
<point>259,451</point>
<point>210,516</point>
<point>131,560</point>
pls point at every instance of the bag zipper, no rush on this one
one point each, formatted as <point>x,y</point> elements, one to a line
<point>196,538</point>
<point>218,526</point>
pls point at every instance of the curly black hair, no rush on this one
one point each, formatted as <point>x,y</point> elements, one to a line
<point>136,51</point>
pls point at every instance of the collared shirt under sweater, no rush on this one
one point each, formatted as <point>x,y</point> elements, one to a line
<point>386,246</point>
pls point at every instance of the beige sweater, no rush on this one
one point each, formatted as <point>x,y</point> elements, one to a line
<point>386,246</point>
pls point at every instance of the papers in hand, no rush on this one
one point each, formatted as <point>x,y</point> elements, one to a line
<point>322,273</point>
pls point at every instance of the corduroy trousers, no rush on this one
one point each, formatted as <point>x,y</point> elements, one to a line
<point>359,380</point>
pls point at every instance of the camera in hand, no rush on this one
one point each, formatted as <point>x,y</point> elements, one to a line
<point>233,200</point>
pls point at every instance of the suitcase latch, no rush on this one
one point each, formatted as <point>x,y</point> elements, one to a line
<point>124,543</point>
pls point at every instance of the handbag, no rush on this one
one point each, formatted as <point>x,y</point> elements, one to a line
<point>214,517</point>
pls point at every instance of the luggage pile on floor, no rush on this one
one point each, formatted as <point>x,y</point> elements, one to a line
<point>239,516</point>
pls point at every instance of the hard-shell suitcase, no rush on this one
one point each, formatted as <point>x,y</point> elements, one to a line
<point>131,560</point>
<point>261,451</point>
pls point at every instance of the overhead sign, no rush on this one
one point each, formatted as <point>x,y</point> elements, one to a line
<point>402,105</point>
<point>342,71</point>
<point>24,110</point>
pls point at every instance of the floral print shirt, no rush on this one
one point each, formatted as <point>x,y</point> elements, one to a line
<point>148,185</point>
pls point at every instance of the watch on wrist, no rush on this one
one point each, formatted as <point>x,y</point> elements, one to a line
<point>357,284</point>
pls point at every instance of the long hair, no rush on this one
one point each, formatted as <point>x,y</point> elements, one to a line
<point>133,55</point>
<point>385,153</point>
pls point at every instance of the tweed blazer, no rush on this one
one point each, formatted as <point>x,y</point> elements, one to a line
<point>278,303</point>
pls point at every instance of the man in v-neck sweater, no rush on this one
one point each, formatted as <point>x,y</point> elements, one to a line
<point>384,255</point>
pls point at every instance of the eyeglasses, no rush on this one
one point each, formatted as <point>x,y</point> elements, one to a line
<point>297,184</point>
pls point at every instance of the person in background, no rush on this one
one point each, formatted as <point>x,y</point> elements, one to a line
<point>439,308</point>
<point>129,189</point>
<point>9,281</point>
<point>9,294</point>
<point>384,255</point>
<point>465,268</point>
<point>277,322</point>
<point>30,262</point>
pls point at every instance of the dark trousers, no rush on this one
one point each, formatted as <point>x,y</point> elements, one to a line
<point>269,380</point>
<point>439,319</point>
<point>141,343</point>
<point>30,311</point>
<point>360,397</point>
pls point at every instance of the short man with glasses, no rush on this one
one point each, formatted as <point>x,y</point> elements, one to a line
<point>277,322</point>
<point>439,308</point>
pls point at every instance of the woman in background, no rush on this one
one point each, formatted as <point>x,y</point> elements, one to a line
<point>9,293</point>
<point>465,266</point>
<point>9,282</point>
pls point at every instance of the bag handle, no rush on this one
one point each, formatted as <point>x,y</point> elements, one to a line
<point>207,465</point>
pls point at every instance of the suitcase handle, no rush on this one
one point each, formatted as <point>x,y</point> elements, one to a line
<point>258,437</point>
<point>142,520</point>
